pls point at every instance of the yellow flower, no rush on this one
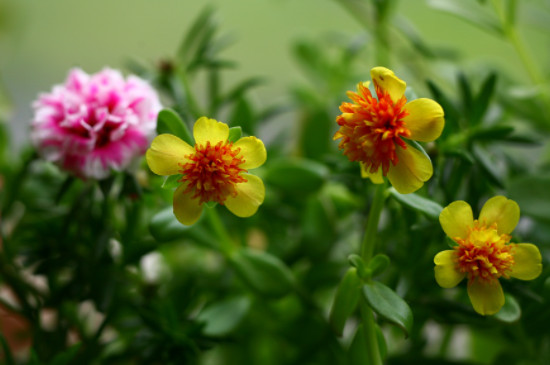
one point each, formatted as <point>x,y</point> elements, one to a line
<point>214,170</point>
<point>372,130</point>
<point>484,253</point>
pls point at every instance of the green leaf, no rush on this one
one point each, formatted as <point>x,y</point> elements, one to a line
<point>297,175</point>
<point>466,95</point>
<point>164,227</point>
<point>487,166</point>
<point>532,194</point>
<point>389,305</point>
<point>263,272</point>
<point>511,311</point>
<point>222,317</point>
<point>418,203</point>
<point>345,300</point>
<point>67,356</point>
<point>481,103</point>
<point>243,115</point>
<point>315,133</point>
<point>171,182</point>
<point>234,134</point>
<point>378,264</point>
<point>168,121</point>
<point>358,348</point>
<point>471,12</point>
<point>357,262</point>
<point>238,91</point>
<point>492,133</point>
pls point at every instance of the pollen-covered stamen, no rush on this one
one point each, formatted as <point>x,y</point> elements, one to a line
<point>371,128</point>
<point>484,254</point>
<point>213,171</point>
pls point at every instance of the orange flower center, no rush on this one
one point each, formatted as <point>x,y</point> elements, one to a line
<point>212,172</point>
<point>371,128</point>
<point>484,254</point>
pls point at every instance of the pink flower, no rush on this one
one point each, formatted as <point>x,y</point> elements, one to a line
<point>95,123</point>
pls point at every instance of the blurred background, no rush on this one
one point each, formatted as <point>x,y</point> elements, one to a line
<point>40,41</point>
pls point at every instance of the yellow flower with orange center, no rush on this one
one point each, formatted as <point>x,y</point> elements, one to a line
<point>484,253</point>
<point>372,131</point>
<point>214,170</point>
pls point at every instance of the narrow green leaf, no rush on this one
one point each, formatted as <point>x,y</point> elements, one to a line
<point>222,317</point>
<point>345,300</point>
<point>389,305</point>
<point>492,133</point>
<point>297,175</point>
<point>418,203</point>
<point>168,121</point>
<point>466,96</point>
<point>471,12</point>
<point>263,272</point>
<point>237,91</point>
<point>234,134</point>
<point>243,115</point>
<point>481,103</point>
<point>197,35</point>
<point>487,166</point>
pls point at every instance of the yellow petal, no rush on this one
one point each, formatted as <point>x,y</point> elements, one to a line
<point>502,211</point>
<point>166,153</point>
<point>412,170</point>
<point>210,130</point>
<point>425,119</point>
<point>487,298</point>
<point>250,195</point>
<point>186,209</point>
<point>376,177</point>
<point>446,274</point>
<point>527,262</point>
<point>252,151</point>
<point>456,219</point>
<point>386,80</point>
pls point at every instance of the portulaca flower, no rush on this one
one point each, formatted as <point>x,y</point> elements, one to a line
<point>93,124</point>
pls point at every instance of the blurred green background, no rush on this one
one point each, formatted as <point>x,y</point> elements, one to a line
<point>41,40</point>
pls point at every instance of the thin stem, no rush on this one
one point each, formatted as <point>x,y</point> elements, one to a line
<point>369,331</point>
<point>368,244</point>
<point>367,251</point>
<point>226,245</point>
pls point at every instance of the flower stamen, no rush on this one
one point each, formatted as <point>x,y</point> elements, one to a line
<point>371,128</point>
<point>212,172</point>
<point>484,254</point>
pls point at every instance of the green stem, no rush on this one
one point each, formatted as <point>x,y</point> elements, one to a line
<point>226,245</point>
<point>367,251</point>
<point>507,21</point>
<point>368,244</point>
<point>369,331</point>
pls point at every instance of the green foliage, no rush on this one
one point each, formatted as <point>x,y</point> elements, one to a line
<point>389,305</point>
<point>127,283</point>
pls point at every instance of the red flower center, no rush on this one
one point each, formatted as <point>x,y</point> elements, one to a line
<point>370,128</point>
<point>212,172</point>
<point>484,254</point>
